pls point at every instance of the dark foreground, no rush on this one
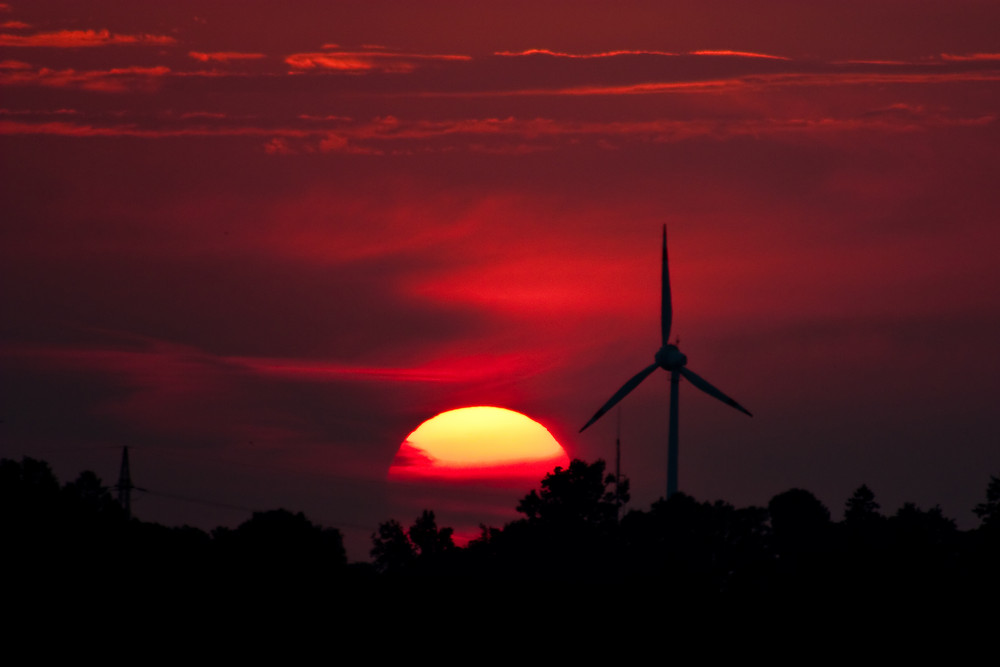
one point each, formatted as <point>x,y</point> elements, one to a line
<point>71,548</point>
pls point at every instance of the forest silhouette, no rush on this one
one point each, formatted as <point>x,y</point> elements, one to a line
<point>76,536</point>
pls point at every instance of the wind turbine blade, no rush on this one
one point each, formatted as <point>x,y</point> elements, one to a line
<point>621,393</point>
<point>703,384</point>
<point>666,309</point>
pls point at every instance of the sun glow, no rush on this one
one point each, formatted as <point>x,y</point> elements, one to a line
<point>478,442</point>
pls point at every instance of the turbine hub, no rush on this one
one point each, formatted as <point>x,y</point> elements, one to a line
<point>670,358</point>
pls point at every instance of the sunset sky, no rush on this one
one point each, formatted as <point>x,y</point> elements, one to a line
<point>260,242</point>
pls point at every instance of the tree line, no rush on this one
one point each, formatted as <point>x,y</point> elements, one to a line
<point>692,550</point>
<point>571,529</point>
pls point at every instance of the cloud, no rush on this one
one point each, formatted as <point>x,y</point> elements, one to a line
<point>532,134</point>
<point>503,136</point>
<point>451,369</point>
<point>202,114</point>
<point>160,380</point>
<point>33,113</point>
<point>82,38</point>
<point>408,455</point>
<point>869,61</point>
<point>371,60</point>
<point>117,79</point>
<point>754,82</point>
<point>635,52</point>
<point>731,94</point>
<point>338,143</point>
<point>65,129</point>
<point>716,85</point>
<point>278,146</point>
<point>15,25</point>
<point>971,56</point>
<point>738,54</point>
<point>325,117</point>
<point>602,54</point>
<point>224,56</point>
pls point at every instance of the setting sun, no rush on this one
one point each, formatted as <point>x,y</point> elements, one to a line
<point>478,442</point>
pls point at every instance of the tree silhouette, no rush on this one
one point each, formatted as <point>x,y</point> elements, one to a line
<point>695,549</point>
<point>570,528</point>
<point>419,550</point>
<point>29,495</point>
<point>577,497</point>
<point>914,528</point>
<point>73,538</point>
<point>861,507</point>
<point>802,542</point>
<point>989,512</point>
<point>392,551</point>
<point>427,539</point>
<point>797,515</point>
<point>986,547</point>
<point>282,544</point>
<point>31,515</point>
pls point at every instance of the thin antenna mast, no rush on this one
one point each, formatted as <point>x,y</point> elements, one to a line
<point>124,485</point>
<point>618,467</point>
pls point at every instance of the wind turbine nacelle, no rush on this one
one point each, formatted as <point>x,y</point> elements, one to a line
<point>669,357</point>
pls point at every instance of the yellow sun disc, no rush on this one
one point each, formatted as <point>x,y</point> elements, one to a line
<point>483,436</point>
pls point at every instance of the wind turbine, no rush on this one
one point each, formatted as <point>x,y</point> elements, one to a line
<point>669,358</point>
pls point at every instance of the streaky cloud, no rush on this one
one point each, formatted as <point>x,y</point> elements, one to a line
<point>638,52</point>
<point>408,456</point>
<point>601,54</point>
<point>83,38</point>
<point>224,56</point>
<point>738,54</point>
<point>80,130</point>
<point>458,369</point>
<point>970,56</point>
<point>119,79</point>
<point>364,61</point>
<point>750,82</point>
<point>386,136</point>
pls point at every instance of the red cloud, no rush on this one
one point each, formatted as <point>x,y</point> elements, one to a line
<point>970,56</point>
<point>113,80</point>
<point>738,54</point>
<point>75,130</point>
<point>364,61</point>
<point>748,82</point>
<point>26,112</point>
<point>475,368</point>
<point>388,135</point>
<point>603,54</point>
<point>224,56</point>
<point>278,146</point>
<point>634,52</point>
<point>82,38</point>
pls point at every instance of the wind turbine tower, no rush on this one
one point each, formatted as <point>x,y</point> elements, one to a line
<point>670,359</point>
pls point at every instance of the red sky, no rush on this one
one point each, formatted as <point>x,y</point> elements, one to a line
<point>260,244</point>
